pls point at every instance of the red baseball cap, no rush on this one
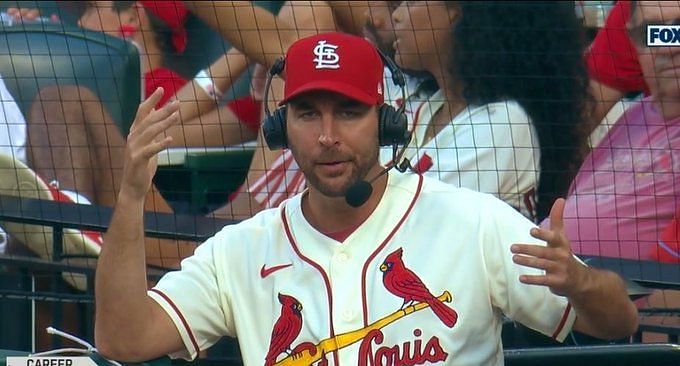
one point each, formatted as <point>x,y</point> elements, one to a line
<point>337,62</point>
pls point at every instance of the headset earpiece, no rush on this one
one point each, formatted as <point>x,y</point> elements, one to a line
<point>274,124</point>
<point>274,129</point>
<point>392,126</point>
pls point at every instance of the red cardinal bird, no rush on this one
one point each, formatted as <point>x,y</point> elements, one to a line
<point>286,328</point>
<point>402,282</point>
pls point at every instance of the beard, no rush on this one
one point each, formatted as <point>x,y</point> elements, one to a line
<point>330,187</point>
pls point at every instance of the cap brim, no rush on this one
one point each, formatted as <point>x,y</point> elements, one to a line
<point>332,86</point>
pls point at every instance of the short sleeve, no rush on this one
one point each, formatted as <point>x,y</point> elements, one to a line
<point>193,298</point>
<point>12,126</point>
<point>534,306</point>
<point>492,149</point>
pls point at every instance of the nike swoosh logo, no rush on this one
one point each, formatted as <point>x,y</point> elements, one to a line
<point>264,272</point>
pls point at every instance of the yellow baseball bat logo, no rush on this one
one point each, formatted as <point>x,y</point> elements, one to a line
<point>328,345</point>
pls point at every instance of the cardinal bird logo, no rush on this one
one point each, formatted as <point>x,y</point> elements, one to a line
<point>286,328</point>
<point>402,282</point>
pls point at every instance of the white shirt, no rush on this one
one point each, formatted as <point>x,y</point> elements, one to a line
<point>12,126</point>
<point>231,284</point>
<point>491,148</point>
<point>12,136</point>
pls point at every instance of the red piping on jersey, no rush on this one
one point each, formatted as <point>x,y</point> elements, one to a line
<point>329,293</point>
<point>382,245</point>
<point>562,321</point>
<point>181,317</point>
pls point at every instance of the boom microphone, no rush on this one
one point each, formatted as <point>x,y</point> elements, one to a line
<point>361,191</point>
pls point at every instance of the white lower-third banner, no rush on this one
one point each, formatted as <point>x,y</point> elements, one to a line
<point>51,361</point>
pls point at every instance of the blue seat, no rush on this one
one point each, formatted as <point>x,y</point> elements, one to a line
<point>33,56</point>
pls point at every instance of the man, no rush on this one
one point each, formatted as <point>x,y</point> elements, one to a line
<point>273,175</point>
<point>626,191</point>
<point>318,280</point>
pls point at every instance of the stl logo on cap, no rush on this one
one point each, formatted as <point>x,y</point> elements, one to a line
<point>314,64</point>
<point>326,57</point>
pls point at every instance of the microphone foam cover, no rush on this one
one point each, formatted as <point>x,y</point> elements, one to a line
<point>358,193</point>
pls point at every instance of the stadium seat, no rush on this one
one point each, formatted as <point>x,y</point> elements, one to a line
<point>34,56</point>
<point>214,176</point>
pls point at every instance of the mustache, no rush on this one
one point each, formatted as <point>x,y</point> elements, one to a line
<point>332,154</point>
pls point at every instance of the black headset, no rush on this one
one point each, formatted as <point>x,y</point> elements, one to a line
<point>392,123</point>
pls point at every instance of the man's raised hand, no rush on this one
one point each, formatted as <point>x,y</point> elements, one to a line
<point>563,273</point>
<point>145,140</point>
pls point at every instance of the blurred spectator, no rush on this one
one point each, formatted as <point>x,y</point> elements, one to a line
<point>74,115</point>
<point>502,114</point>
<point>616,76</point>
<point>613,63</point>
<point>259,34</point>
<point>12,136</point>
<point>73,143</point>
<point>157,28</point>
<point>626,191</point>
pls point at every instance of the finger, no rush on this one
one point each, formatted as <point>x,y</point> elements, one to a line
<point>153,148</point>
<point>538,251</point>
<point>549,236</point>
<point>155,116</point>
<point>147,106</point>
<point>534,262</point>
<point>150,134</point>
<point>557,215</point>
<point>540,280</point>
<point>159,115</point>
<point>155,131</point>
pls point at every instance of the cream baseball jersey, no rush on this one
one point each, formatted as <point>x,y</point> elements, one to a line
<point>491,148</point>
<point>424,280</point>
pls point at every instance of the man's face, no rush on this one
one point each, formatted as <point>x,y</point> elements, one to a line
<point>660,65</point>
<point>334,140</point>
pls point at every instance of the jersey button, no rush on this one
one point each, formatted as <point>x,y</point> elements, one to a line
<point>347,315</point>
<point>342,257</point>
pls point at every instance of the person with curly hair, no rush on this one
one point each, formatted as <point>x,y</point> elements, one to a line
<point>513,95</point>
